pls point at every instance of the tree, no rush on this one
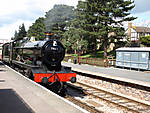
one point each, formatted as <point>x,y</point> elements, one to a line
<point>22,32</point>
<point>57,18</point>
<point>75,36</point>
<point>19,34</point>
<point>15,35</point>
<point>37,29</point>
<point>106,16</point>
<point>90,25</point>
<point>74,40</point>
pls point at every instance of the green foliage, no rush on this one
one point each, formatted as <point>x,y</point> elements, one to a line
<point>75,37</point>
<point>145,40</point>
<point>99,54</point>
<point>15,35</point>
<point>20,34</point>
<point>37,29</point>
<point>119,44</point>
<point>74,40</point>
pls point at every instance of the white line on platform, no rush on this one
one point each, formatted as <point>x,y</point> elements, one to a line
<point>65,100</point>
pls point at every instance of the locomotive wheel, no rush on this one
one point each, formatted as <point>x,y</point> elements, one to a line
<point>13,66</point>
<point>29,74</point>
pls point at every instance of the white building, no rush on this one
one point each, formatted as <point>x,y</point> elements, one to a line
<point>135,32</point>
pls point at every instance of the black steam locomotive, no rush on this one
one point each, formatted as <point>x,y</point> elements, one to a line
<point>39,61</point>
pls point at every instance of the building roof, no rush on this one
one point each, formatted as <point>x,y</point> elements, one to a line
<point>133,49</point>
<point>141,29</point>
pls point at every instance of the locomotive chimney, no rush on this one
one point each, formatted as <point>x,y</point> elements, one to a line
<point>48,35</point>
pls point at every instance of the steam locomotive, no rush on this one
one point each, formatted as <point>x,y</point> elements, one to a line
<point>39,61</point>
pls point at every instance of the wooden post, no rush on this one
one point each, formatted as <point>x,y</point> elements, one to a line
<point>105,62</point>
<point>95,62</point>
<point>86,60</point>
<point>79,58</point>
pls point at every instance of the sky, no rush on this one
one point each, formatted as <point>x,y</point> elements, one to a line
<point>142,12</point>
<point>15,12</point>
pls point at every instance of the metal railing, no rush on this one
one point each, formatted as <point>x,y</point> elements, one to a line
<point>92,61</point>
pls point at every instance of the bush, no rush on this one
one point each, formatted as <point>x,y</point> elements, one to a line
<point>145,40</point>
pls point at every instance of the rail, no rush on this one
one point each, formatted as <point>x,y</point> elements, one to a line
<point>82,105</point>
<point>122,102</point>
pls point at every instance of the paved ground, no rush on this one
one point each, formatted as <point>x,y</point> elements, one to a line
<point>19,95</point>
<point>10,101</point>
<point>116,73</point>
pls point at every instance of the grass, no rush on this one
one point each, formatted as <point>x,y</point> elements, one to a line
<point>99,54</point>
<point>73,55</point>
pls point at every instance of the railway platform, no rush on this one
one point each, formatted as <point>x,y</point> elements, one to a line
<point>126,75</point>
<point>19,94</point>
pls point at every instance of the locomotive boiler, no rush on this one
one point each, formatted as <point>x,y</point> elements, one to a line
<point>40,61</point>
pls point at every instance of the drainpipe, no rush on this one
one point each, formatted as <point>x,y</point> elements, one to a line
<point>129,30</point>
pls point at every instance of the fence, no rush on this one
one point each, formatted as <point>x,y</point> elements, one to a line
<point>92,61</point>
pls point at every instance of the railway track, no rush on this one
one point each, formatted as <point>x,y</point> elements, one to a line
<point>126,104</point>
<point>83,105</point>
